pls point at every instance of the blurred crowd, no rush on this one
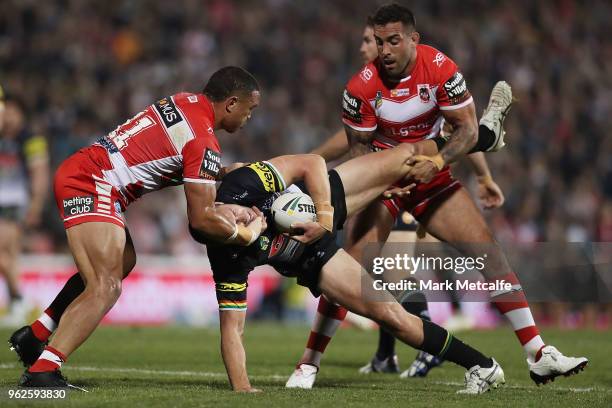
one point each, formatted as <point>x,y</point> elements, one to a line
<point>82,67</point>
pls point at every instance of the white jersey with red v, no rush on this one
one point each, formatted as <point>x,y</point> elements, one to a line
<point>408,110</point>
<point>170,142</point>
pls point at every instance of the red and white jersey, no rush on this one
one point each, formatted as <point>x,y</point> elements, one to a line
<point>409,110</point>
<point>170,142</point>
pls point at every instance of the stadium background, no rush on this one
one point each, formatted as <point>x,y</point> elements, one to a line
<point>82,67</point>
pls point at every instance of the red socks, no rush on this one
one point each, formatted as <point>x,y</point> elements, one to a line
<point>50,360</point>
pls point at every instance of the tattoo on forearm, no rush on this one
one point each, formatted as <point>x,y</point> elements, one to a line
<point>459,143</point>
<point>358,142</point>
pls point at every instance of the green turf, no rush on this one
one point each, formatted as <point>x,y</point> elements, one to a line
<point>185,369</point>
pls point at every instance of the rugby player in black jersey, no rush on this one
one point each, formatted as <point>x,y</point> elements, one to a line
<point>322,266</point>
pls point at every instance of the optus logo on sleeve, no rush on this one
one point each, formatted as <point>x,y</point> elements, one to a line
<point>78,205</point>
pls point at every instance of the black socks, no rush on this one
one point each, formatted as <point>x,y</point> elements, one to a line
<point>439,342</point>
<point>486,138</point>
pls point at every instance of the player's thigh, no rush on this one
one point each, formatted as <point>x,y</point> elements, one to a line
<point>98,249</point>
<point>340,281</point>
<point>422,237</point>
<point>371,225</point>
<point>366,177</point>
<point>457,219</point>
<point>459,222</point>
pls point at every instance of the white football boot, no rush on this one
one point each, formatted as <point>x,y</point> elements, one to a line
<point>494,114</point>
<point>480,380</point>
<point>553,364</point>
<point>304,377</point>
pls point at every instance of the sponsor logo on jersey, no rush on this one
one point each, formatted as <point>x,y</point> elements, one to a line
<point>366,74</point>
<point>351,107</point>
<point>106,143</point>
<point>456,88</point>
<point>277,245</point>
<point>78,205</point>
<point>398,93</point>
<point>378,101</point>
<point>264,243</point>
<point>192,98</point>
<point>285,249</point>
<point>439,59</point>
<point>168,112</point>
<point>266,175</point>
<point>211,165</point>
<point>408,130</point>
<point>117,209</point>
<point>424,94</point>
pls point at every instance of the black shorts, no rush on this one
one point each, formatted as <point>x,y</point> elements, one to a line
<point>308,267</point>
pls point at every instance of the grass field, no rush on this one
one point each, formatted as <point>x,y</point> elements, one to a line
<point>164,367</point>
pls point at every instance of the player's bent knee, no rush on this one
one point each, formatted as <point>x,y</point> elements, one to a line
<point>395,319</point>
<point>107,288</point>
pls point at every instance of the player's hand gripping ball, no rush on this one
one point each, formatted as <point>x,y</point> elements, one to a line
<point>290,208</point>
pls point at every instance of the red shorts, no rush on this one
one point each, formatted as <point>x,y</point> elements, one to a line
<point>424,196</point>
<point>82,194</point>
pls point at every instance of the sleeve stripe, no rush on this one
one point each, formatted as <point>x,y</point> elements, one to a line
<point>283,185</point>
<point>461,105</point>
<point>200,181</point>
<point>359,129</point>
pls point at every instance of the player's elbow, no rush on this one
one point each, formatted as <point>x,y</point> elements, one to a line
<point>205,226</point>
<point>360,137</point>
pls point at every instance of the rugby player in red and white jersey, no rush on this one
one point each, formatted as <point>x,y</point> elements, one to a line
<point>405,96</point>
<point>329,316</point>
<point>171,142</point>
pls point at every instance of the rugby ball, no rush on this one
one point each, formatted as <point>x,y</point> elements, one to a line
<point>290,208</point>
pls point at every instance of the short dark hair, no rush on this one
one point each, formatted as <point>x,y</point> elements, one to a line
<point>369,22</point>
<point>393,13</point>
<point>230,80</point>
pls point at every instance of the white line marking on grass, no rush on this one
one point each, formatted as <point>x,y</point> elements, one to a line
<point>132,370</point>
<point>128,370</point>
